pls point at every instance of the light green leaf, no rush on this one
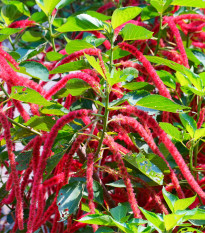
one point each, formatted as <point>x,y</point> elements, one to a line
<point>121,184</point>
<point>71,66</point>
<point>116,76</point>
<point>53,56</point>
<point>134,32</point>
<point>97,15</point>
<point>44,123</point>
<point>190,3</point>
<point>31,36</point>
<point>63,3</point>
<point>13,10</point>
<point>154,219</point>
<point>47,5</point>
<point>167,78</point>
<point>124,14</point>
<point>69,198</point>
<point>189,123</point>
<point>160,103</point>
<point>82,22</point>
<point>99,219</point>
<point>199,133</point>
<point>54,109</point>
<point>6,32</point>
<point>192,77</point>
<point>182,204</point>
<point>172,220</point>
<point>146,167</point>
<point>161,5</point>
<point>28,95</point>
<point>171,130</point>
<point>95,64</point>
<point>77,87</point>
<point>77,45</point>
<point>36,70</point>
<point>169,198</point>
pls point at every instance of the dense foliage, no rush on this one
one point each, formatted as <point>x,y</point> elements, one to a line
<point>102,116</point>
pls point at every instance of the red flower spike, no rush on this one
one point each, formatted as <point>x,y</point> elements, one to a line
<point>7,136</point>
<point>9,58</point>
<point>151,71</point>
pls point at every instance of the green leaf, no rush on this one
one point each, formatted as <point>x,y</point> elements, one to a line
<point>189,123</point>
<point>124,14</point>
<point>190,3</point>
<point>98,192</point>
<point>53,56</point>
<point>104,230</point>
<point>169,198</point>
<point>97,15</point>
<point>134,32</point>
<point>69,198</point>
<point>120,184</point>
<point>146,167</point>
<point>98,219</point>
<point>36,70</point>
<point>167,79</point>
<point>39,17</point>
<point>82,22</point>
<point>171,130</point>
<point>189,230</point>
<point>63,3</point>
<point>13,11</point>
<point>31,36</point>
<point>95,64</point>
<point>77,45</point>
<point>134,96</point>
<point>29,53</point>
<point>23,160</point>
<point>172,220</point>
<point>154,219</point>
<point>3,192</point>
<point>160,103</point>
<point>149,12</point>
<point>138,86</point>
<point>77,86</point>
<point>28,95</point>
<point>116,76</point>
<point>160,5</point>
<point>191,77</point>
<point>44,123</point>
<point>199,133</point>
<point>119,212</point>
<point>71,66</point>
<point>47,6</point>
<point>200,56</point>
<point>117,53</point>
<point>6,32</point>
<point>182,204</point>
<point>54,109</point>
<point>123,227</point>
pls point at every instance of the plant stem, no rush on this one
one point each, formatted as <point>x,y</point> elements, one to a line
<point>191,151</point>
<point>12,44</point>
<point>24,127</point>
<point>51,32</point>
<point>159,34</point>
<point>105,120</point>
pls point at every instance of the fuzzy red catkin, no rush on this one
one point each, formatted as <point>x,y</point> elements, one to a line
<point>198,44</point>
<point>22,24</point>
<point>57,179</point>
<point>7,136</point>
<point>36,152</point>
<point>9,58</point>
<point>105,7</point>
<point>124,120</point>
<point>151,71</point>
<point>80,75</point>
<point>46,152</point>
<point>109,141</point>
<point>75,55</point>
<point>25,179</point>
<point>169,145</point>
<point>201,118</point>
<point>175,31</point>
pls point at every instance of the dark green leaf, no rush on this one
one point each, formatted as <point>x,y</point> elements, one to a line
<point>138,85</point>
<point>146,167</point>
<point>104,230</point>
<point>36,70</point>
<point>3,192</point>
<point>189,123</point>
<point>118,212</point>
<point>23,160</point>
<point>69,198</point>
